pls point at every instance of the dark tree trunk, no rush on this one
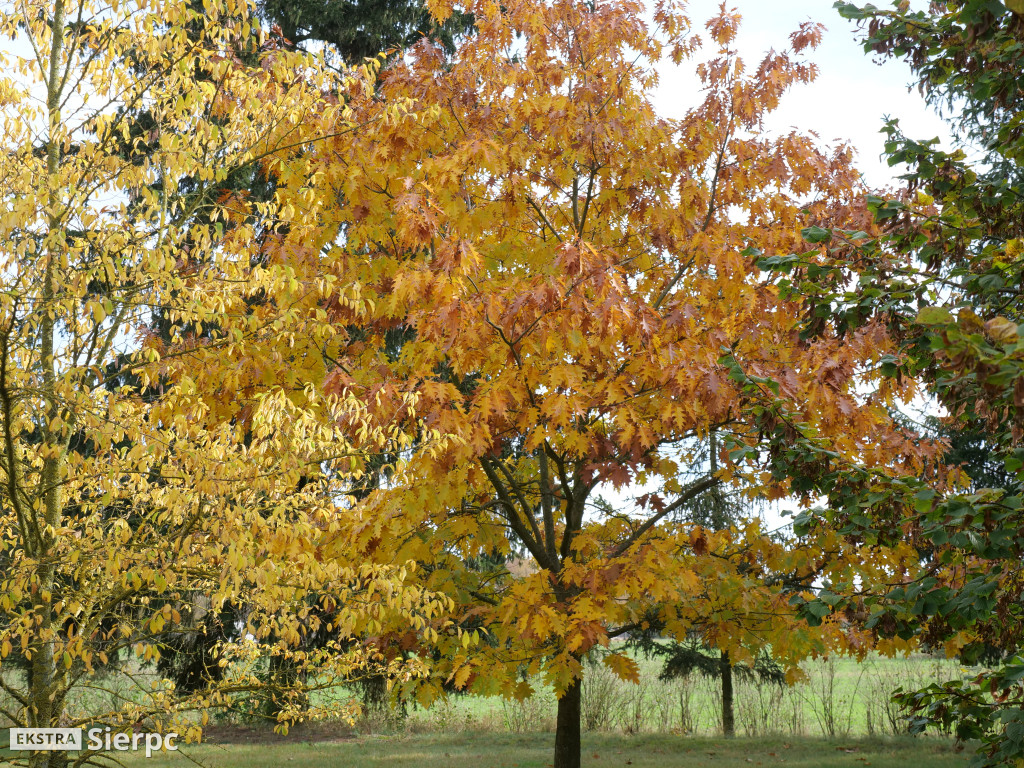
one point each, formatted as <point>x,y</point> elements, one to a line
<point>567,728</point>
<point>283,677</point>
<point>728,722</point>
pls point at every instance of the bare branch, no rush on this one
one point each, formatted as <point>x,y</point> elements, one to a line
<point>688,495</point>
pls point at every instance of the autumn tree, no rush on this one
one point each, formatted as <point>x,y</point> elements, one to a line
<point>121,503</point>
<point>577,281</point>
<point>944,277</point>
<point>346,33</point>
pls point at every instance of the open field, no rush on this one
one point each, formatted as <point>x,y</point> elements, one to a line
<point>839,698</point>
<point>490,750</point>
<point>839,716</point>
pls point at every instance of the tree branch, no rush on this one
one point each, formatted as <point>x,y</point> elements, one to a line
<point>547,508</point>
<point>691,493</point>
<point>532,544</point>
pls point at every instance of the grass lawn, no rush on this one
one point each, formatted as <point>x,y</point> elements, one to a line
<point>501,750</point>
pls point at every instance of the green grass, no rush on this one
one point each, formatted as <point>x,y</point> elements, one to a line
<point>673,723</point>
<point>490,750</point>
<point>857,694</point>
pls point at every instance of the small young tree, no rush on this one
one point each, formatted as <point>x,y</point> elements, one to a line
<point>682,659</point>
<point>717,509</point>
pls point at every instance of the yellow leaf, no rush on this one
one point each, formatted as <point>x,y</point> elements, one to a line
<point>623,666</point>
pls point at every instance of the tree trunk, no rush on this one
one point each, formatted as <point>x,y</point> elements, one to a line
<point>567,727</point>
<point>282,679</point>
<point>728,722</point>
<point>46,701</point>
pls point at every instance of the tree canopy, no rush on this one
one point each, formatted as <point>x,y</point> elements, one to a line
<point>141,489</point>
<point>576,282</point>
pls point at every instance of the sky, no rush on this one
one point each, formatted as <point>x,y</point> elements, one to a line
<point>851,96</point>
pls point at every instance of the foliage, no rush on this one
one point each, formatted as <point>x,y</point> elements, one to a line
<point>353,32</point>
<point>970,450</point>
<point>143,484</point>
<point>944,278</point>
<point>683,659</point>
<point>576,281</point>
<point>362,29</point>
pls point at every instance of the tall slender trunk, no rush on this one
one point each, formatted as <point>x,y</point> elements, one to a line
<point>567,727</point>
<point>728,721</point>
<point>45,698</point>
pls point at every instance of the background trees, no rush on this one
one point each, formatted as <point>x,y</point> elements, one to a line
<point>358,30</point>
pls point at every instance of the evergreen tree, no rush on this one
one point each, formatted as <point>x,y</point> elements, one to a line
<point>716,509</point>
<point>359,29</point>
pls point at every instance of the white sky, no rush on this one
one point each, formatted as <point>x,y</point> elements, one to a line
<point>850,97</point>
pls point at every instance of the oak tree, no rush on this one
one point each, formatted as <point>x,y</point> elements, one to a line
<point>576,282</point>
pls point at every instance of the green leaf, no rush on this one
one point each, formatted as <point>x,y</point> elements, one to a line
<point>778,263</point>
<point>817,609</point>
<point>934,316</point>
<point>816,234</point>
<point>851,11</point>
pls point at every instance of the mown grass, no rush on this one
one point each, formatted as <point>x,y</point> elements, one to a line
<point>496,750</point>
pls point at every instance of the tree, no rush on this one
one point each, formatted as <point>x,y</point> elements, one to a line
<point>356,31</point>
<point>577,279</point>
<point>717,509</point>
<point>944,277</point>
<point>361,30</point>
<point>119,506</point>
<point>973,451</point>
<point>682,659</point>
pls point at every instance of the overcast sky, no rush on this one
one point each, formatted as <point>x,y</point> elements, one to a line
<point>849,99</point>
